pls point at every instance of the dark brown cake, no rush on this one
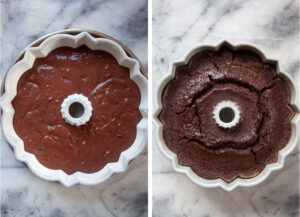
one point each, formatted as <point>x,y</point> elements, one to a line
<point>191,132</point>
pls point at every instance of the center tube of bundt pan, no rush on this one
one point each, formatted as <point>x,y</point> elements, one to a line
<point>227,114</point>
<point>76,109</point>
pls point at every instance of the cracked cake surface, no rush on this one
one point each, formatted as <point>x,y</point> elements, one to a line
<point>191,132</point>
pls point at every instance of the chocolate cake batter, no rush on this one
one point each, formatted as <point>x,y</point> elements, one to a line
<point>191,132</point>
<point>115,99</point>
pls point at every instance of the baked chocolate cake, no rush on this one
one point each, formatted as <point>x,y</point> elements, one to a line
<point>191,132</point>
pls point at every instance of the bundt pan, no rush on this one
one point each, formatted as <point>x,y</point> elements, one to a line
<point>196,148</point>
<point>41,48</point>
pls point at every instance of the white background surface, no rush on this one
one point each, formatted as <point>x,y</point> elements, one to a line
<point>24,194</point>
<point>177,27</point>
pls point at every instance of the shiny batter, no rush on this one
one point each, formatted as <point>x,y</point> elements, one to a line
<point>191,132</point>
<point>115,99</point>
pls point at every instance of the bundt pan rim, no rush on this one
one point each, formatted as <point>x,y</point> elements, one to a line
<point>137,74</point>
<point>246,182</point>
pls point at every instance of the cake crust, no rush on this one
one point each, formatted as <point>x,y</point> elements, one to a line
<point>190,131</point>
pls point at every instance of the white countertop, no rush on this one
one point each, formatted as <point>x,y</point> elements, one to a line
<point>177,27</point>
<point>24,194</point>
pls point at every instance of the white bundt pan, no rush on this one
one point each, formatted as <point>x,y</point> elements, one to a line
<point>158,133</point>
<point>74,41</point>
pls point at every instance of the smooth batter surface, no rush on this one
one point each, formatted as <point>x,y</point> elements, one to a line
<point>115,100</point>
<point>189,128</point>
